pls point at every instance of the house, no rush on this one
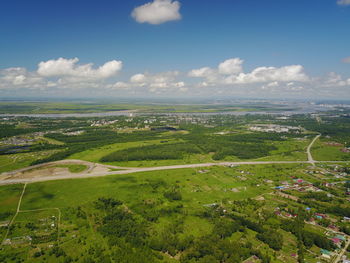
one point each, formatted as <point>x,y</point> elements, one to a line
<point>320,216</point>
<point>333,227</point>
<point>326,253</point>
<point>341,237</point>
<point>336,241</point>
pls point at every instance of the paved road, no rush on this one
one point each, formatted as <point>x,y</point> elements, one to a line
<point>90,166</point>
<point>308,150</point>
<point>128,170</point>
<point>148,169</point>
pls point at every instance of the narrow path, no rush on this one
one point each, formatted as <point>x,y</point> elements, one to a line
<point>308,150</point>
<point>14,217</point>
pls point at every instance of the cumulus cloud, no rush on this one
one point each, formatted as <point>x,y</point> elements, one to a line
<point>138,78</point>
<point>68,67</point>
<point>343,2</point>
<point>163,81</point>
<point>201,72</point>
<point>230,72</point>
<point>119,85</point>
<point>347,59</point>
<point>20,78</point>
<point>67,76</point>
<point>335,80</point>
<point>267,74</point>
<point>157,12</point>
<point>231,66</point>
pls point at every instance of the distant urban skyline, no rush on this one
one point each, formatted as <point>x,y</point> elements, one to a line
<point>174,49</point>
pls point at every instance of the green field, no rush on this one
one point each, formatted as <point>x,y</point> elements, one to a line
<point>183,200</point>
<point>73,168</point>
<point>290,150</point>
<point>260,213</point>
<point>323,152</point>
<point>95,154</point>
<point>83,107</point>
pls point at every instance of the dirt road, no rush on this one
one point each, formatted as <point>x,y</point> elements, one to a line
<point>308,150</point>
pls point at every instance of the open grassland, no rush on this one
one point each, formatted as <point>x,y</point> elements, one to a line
<point>207,147</point>
<point>73,168</point>
<point>9,197</point>
<point>198,187</point>
<point>324,151</point>
<point>11,162</point>
<point>175,207</point>
<point>79,107</point>
<point>95,154</point>
<point>289,150</point>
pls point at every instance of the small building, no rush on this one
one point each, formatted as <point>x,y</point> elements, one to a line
<point>336,241</point>
<point>341,237</point>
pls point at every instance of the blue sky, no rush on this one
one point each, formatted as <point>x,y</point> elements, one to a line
<point>269,33</point>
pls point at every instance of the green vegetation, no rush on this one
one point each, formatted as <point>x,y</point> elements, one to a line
<point>152,152</point>
<point>9,196</point>
<point>176,216</point>
<point>83,107</point>
<point>329,151</point>
<point>247,213</point>
<point>73,168</point>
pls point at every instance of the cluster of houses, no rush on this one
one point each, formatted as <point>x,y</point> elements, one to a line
<point>333,234</point>
<point>275,128</point>
<point>73,133</point>
<point>18,140</point>
<point>298,185</point>
<point>338,240</point>
<point>345,150</point>
<point>336,171</point>
<point>100,123</point>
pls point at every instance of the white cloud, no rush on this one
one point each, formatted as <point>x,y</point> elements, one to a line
<point>201,72</point>
<point>138,78</point>
<point>120,85</point>
<point>335,80</point>
<point>20,78</point>
<point>67,76</point>
<point>343,2</point>
<point>347,59</point>
<point>231,66</point>
<point>268,74</point>
<point>179,84</point>
<point>157,12</point>
<point>155,82</point>
<point>230,72</point>
<point>68,68</point>
<point>273,84</point>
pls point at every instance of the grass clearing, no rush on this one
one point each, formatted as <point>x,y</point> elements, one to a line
<point>323,151</point>
<point>12,162</point>
<point>95,154</point>
<point>73,168</point>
